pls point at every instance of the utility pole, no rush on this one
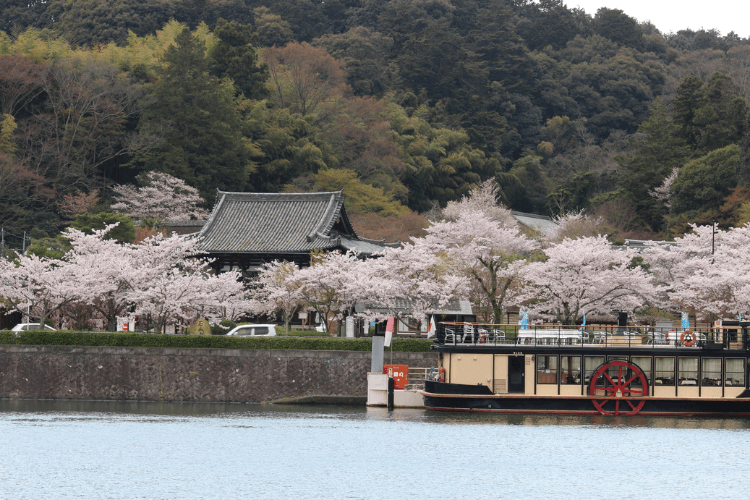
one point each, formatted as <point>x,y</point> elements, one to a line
<point>2,243</point>
<point>713,236</point>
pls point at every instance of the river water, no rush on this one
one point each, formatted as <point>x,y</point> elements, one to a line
<point>108,450</point>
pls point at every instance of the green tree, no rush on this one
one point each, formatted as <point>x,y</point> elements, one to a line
<point>195,114</point>
<point>366,57</point>
<point>617,26</point>
<point>124,232</point>
<point>547,22</point>
<point>704,182</point>
<point>283,145</point>
<point>273,31</point>
<point>99,22</point>
<point>710,116</point>
<point>657,150</point>
<point>360,198</point>
<point>235,56</point>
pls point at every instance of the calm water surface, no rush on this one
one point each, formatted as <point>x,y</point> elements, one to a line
<point>92,450</point>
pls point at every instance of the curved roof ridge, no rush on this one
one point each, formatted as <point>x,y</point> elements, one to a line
<point>328,218</point>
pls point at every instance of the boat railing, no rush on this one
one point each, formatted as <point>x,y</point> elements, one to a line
<point>487,334</point>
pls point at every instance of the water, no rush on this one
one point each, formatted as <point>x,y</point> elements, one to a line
<point>105,450</point>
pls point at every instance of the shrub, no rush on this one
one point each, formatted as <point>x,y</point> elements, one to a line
<point>40,337</point>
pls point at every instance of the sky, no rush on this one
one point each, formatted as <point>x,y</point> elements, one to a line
<point>675,15</point>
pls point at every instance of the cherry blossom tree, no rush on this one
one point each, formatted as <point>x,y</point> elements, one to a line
<point>169,282</point>
<point>663,192</point>
<point>161,196</point>
<point>162,277</point>
<point>587,274</point>
<point>107,285</point>
<point>483,199</point>
<point>278,289</point>
<point>39,286</point>
<point>576,224</point>
<point>413,274</point>
<point>488,253</point>
<point>331,284</point>
<point>706,270</point>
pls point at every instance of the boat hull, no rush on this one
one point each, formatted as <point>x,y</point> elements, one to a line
<point>449,397</point>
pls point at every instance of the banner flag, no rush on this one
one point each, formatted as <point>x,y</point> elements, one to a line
<point>431,329</point>
<point>524,321</point>
<point>388,332</point>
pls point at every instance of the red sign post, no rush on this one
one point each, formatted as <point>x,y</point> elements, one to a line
<point>400,375</point>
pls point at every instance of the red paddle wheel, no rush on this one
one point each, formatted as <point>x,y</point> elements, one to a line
<point>618,382</point>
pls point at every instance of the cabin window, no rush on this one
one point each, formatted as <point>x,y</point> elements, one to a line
<point>644,364</point>
<point>663,371</point>
<point>711,372</point>
<point>735,368</point>
<point>570,369</point>
<point>688,371</point>
<point>591,363</point>
<point>546,369</point>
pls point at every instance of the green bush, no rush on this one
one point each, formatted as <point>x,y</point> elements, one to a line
<point>223,327</point>
<point>39,337</point>
<point>294,332</point>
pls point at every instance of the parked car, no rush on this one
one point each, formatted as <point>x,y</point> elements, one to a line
<point>253,331</point>
<point>22,327</point>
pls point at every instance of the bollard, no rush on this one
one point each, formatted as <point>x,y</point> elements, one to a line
<point>390,393</point>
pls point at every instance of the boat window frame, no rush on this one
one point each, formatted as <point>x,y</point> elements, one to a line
<point>743,364</point>
<point>685,375</point>
<point>646,372</point>
<point>576,380</point>
<point>588,372</point>
<point>548,370</point>
<point>704,372</point>
<point>659,375</point>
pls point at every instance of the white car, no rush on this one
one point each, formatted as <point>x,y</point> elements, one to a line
<point>253,331</point>
<point>22,327</point>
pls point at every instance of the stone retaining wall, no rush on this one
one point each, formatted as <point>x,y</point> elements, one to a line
<point>179,374</point>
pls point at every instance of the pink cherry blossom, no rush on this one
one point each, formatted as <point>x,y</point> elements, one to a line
<point>164,197</point>
<point>587,275</point>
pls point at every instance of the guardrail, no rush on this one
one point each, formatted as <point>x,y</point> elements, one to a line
<point>595,336</point>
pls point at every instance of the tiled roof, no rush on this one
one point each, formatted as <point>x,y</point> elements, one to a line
<point>280,223</point>
<point>403,307</point>
<point>540,223</point>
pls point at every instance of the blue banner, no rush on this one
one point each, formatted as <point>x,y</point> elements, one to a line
<point>524,321</point>
<point>685,322</point>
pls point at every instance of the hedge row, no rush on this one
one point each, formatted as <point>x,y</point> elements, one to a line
<point>39,337</point>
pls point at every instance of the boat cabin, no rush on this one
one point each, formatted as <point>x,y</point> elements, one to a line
<point>608,370</point>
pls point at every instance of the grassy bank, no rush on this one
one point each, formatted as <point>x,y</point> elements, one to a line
<point>201,341</point>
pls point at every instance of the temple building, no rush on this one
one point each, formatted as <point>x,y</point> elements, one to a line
<point>246,230</point>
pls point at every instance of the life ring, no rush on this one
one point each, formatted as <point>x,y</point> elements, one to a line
<point>441,374</point>
<point>691,338</point>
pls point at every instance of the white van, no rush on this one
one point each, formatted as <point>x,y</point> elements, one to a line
<point>253,331</point>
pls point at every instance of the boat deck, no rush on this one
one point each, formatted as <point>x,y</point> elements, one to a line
<point>498,335</point>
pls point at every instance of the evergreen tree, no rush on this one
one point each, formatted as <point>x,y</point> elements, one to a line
<point>235,56</point>
<point>658,150</point>
<point>200,127</point>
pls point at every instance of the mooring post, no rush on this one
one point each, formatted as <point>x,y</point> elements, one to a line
<point>391,385</point>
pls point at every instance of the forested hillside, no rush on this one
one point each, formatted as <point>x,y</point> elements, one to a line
<point>408,104</point>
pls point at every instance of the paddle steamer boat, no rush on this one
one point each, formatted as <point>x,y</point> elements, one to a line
<point>590,370</point>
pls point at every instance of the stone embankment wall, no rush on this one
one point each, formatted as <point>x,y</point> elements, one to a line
<point>174,374</point>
